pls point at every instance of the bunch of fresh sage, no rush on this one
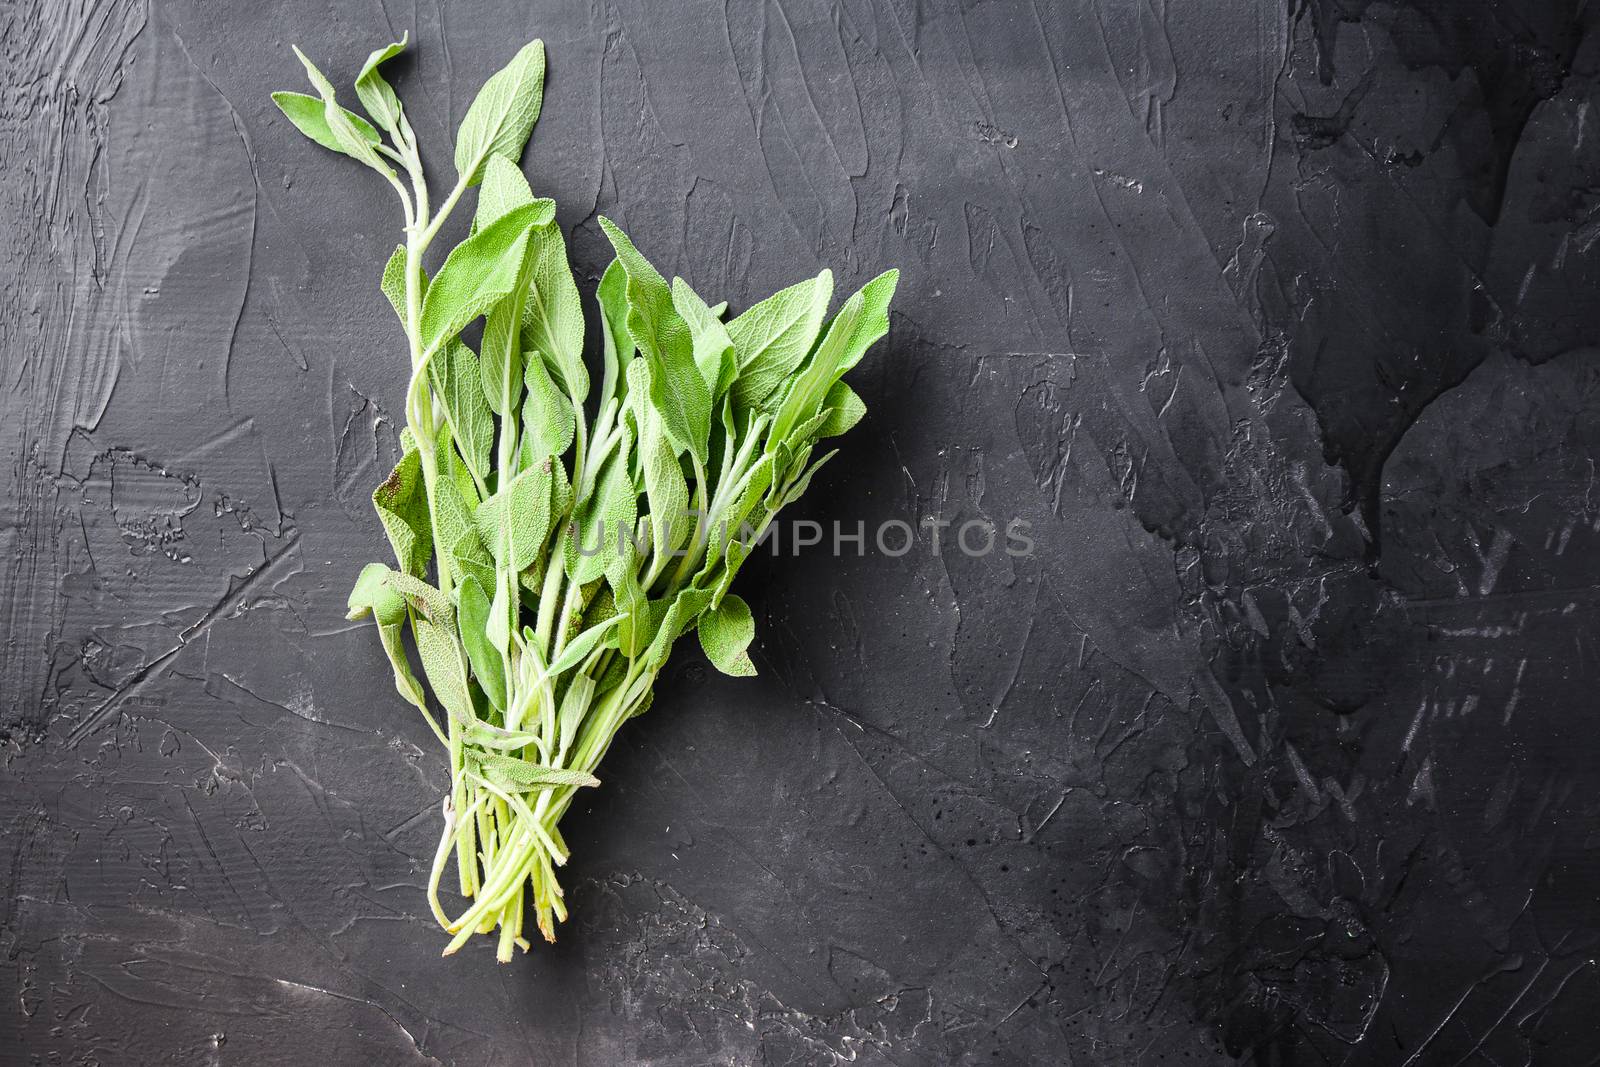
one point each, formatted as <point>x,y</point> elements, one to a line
<point>553,540</point>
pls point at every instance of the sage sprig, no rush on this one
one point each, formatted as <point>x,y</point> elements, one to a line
<point>553,539</point>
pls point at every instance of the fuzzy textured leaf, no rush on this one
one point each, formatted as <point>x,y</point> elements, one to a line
<point>374,596</point>
<point>350,139</point>
<point>472,617</point>
<point>504,189</point>
<point>678,391</point>
<point>502,116</point>
<point>552,319</point>
<point>725,634</point>
<point>860,322</point>
<point>605,517</point>
<point>844,408</point>
<point>772,338</point>
<point>713,348</point>
<point>376,94</point>
<point>458,382</point>
<point>548,421</point>
<point>479,273</point>
<point>402,505</point>
<point>309,115</point>
<point>514,522</point>
<point>517,775</point>
<point>617,342</point>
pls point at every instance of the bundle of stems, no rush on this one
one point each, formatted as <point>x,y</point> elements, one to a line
<point>553,540</point>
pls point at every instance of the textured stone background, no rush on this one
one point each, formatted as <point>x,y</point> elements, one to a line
<point>1276,319</point>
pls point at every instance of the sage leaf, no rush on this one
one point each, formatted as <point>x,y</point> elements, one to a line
<point>575,704</point>
<point>375,93</point>
<point>553,316</point>
<point>515,775</point>
<point>607,516</point>
<point>622,574</point>
<point>309,116</point>
<point>713,348</point>
<point>798,486</point>
<point>502,116</point>
<point>502,345</point>
<point>773,338</point>
<point>445,664</point>
<point>373,596</point>
<point>349,138</point>
<point>405,681</point>
<point>514,522</point>
<point>617,342</point>
<point>725,635</point>
<point>458,382</point>
<point>502,614</point>
<point>426,600</point>
<point>680,615</point>
<point>402,505</point>
<point>504,189</point>
<point>752,489</point>
<point>394,282</point>
<point>478,273</point>
<point>457,536</point>
<point>665,487</point>
<point>734,556</point>
<point>473,622</point>
<point>678,392</point>
<point>580,647</point>
<point>860,322</point>
<point>548,420</point>
<point>845,409</point>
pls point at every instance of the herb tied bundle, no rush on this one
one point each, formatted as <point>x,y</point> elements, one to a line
<point>542,593</point>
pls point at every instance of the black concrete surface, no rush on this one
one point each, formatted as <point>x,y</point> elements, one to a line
<point>1275,319</point>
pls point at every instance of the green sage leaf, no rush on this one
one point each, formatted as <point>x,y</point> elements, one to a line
<point>502,116</point>
<point>515,520</point>
<point>458,538</point>
<point>680,615</point>
<point>394,281</point>
<point>666,489</point>
<point>617,342</point>
<point>725,634</point>
<point>548,421</point>
<point>713,348</point>
<point>426,600</point>
<point>445,663</point>
<point>581,646</point>
<point>678,391</point>
<point>473,622</point>
<point>374,596</point>
<point>350,139</point>
<point>505,188</point>
<point>375,93</point>
<point>632,605</point>
<point>553,316</point>
<point>458,383</point>
<point>605,518</point>
<point>575,704</point>
<point>772,338</point>
<point>860,322</point>
<point>518,775</point>
<point>405,682</point>
<point>309,115</point>
<point>479,273</point>
<point>798,486</point>
<point>402,505</point>
<point>844,408</point>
